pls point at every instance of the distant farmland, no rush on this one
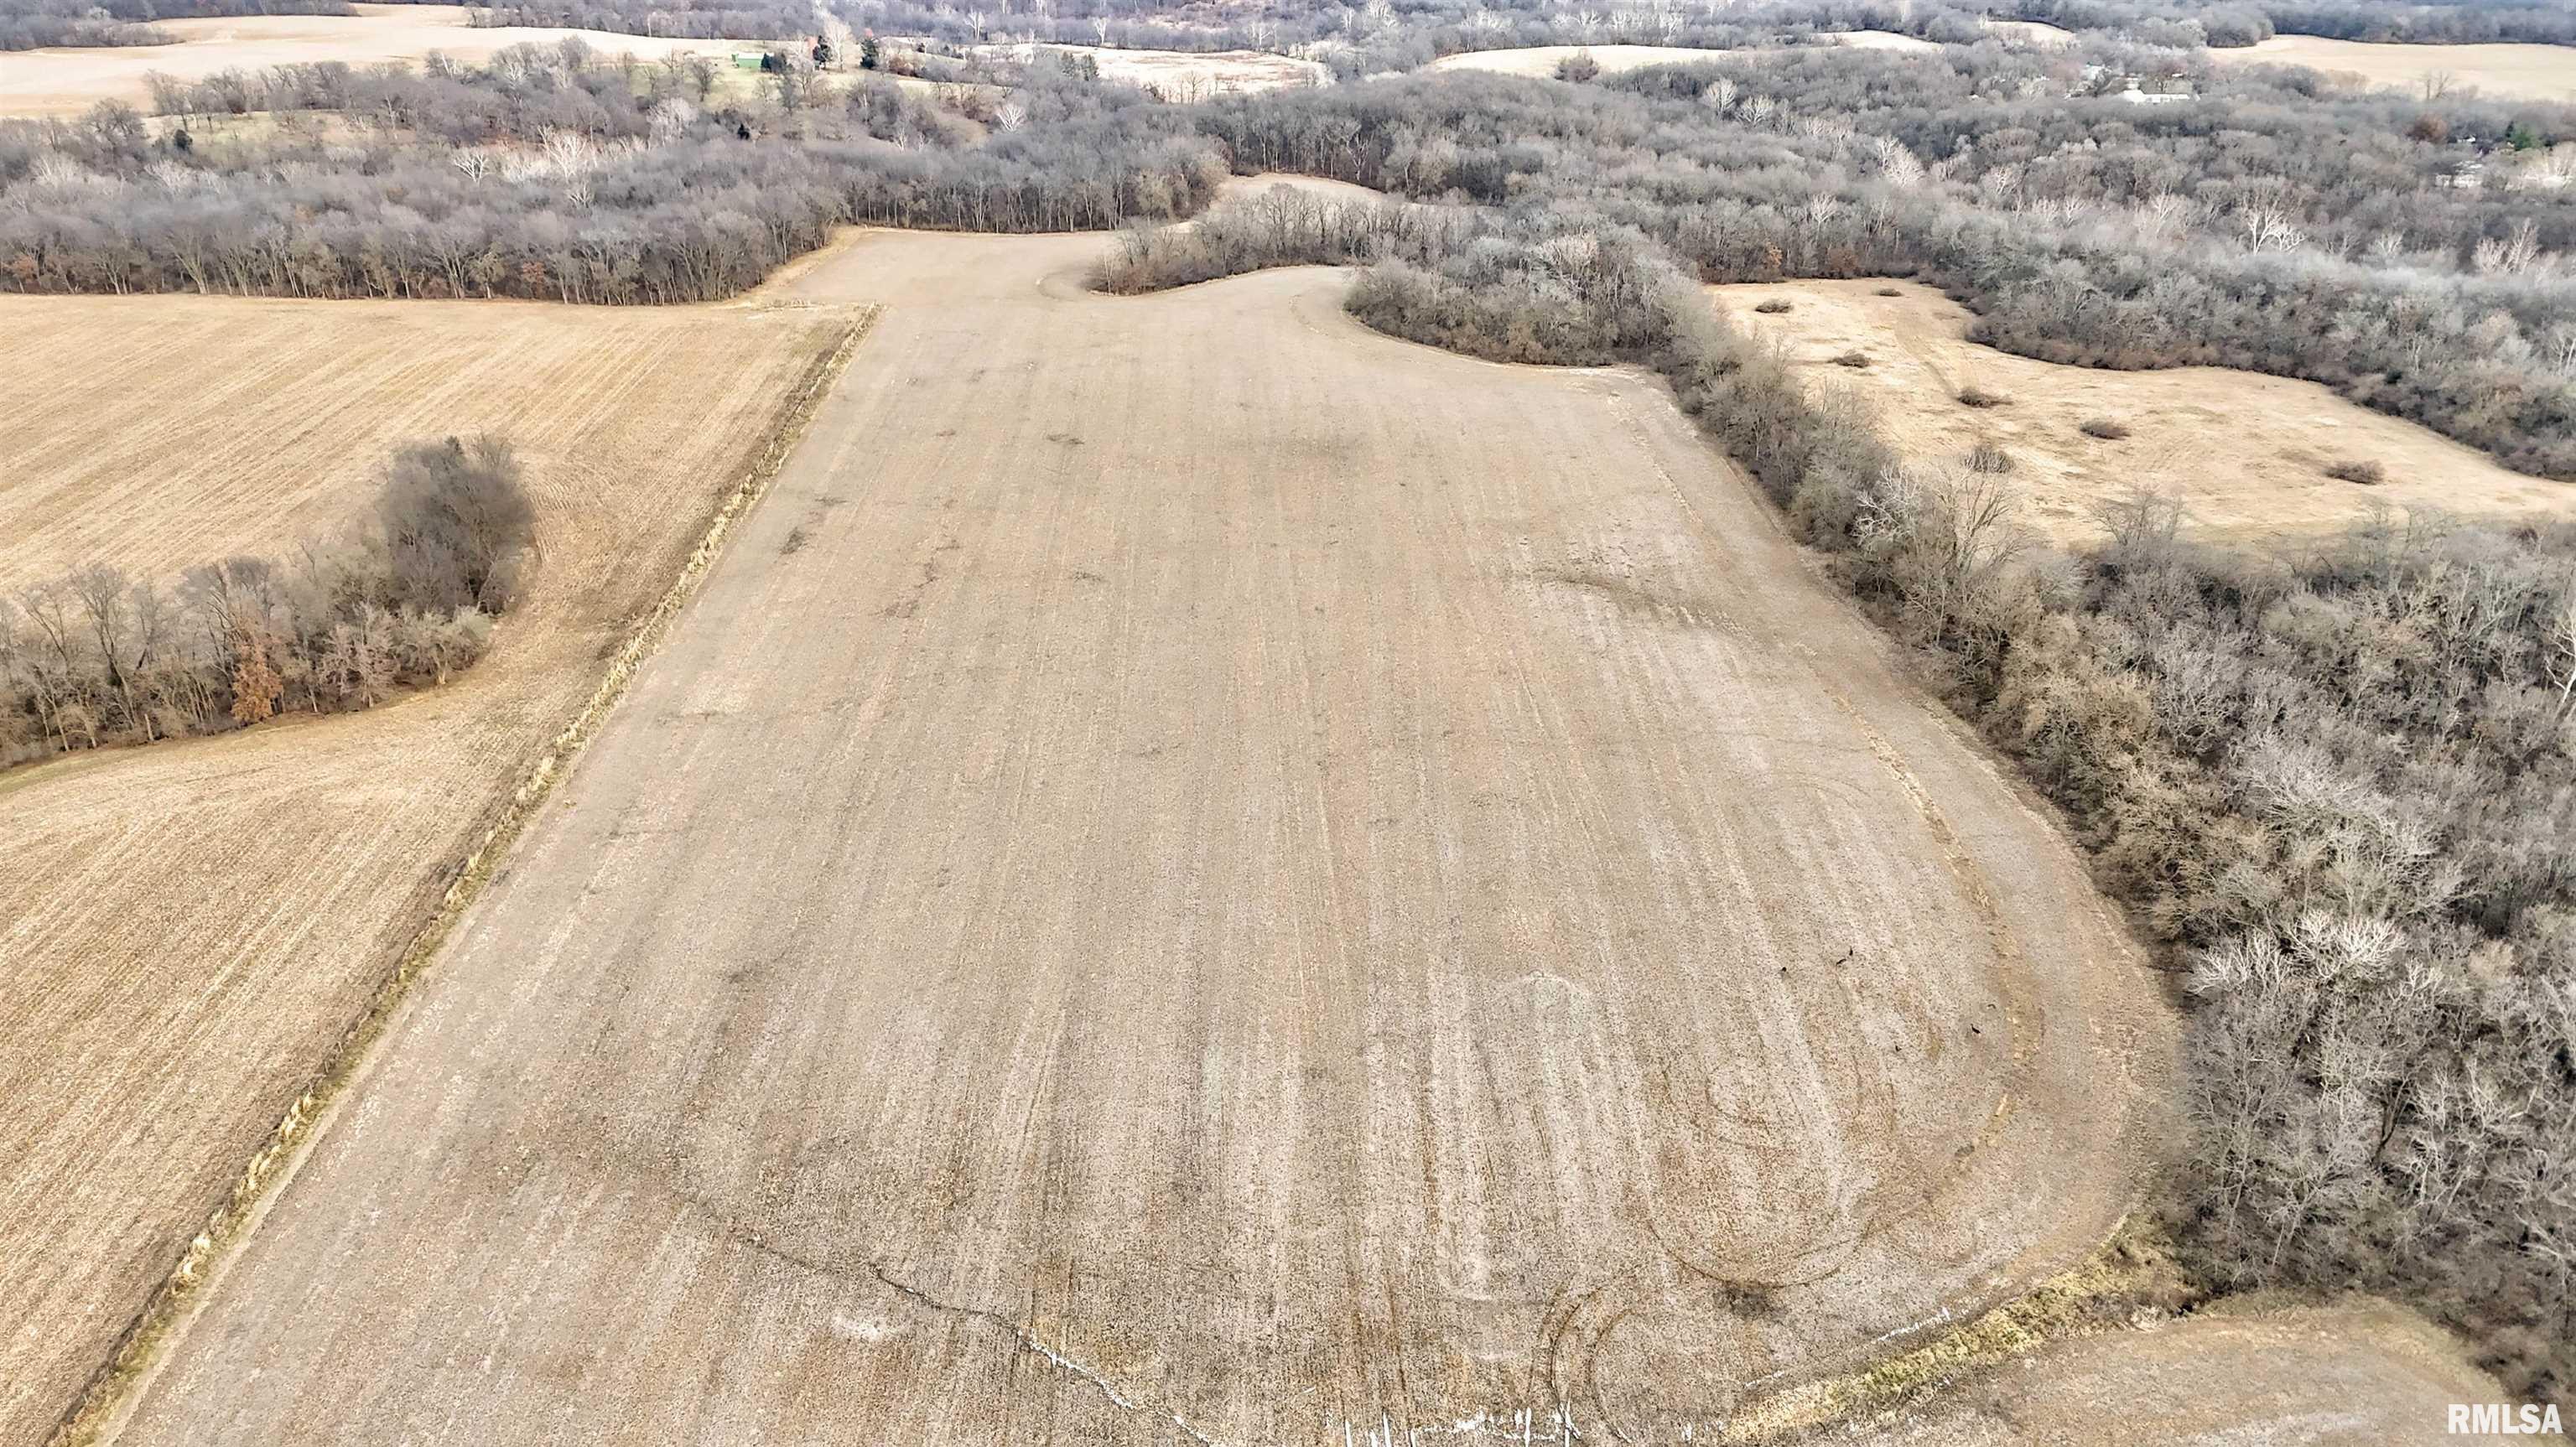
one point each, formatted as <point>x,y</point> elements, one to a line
<point>2513,72</point>
<point>65,81</point>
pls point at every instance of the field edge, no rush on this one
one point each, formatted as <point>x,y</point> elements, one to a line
<point>100,1408</point>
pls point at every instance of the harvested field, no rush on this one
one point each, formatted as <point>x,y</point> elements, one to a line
<point>186,929</point>
<point>2517,72</point>
<point>1201,874</point>
<point>2245,453</point>
<point>58,81</point>
<point>2359,1375</point>
<point>1182,75</point>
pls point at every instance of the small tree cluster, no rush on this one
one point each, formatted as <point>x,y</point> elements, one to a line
<point>98,657</point>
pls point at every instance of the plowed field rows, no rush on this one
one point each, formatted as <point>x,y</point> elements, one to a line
<point>1200,873</point>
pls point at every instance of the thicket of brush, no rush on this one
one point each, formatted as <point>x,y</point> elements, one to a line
<point>2338,785</point>
<point>97,657</point>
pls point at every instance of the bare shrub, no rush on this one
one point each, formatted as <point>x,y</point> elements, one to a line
<point>456,520</point>
<point>99,658</point>
<point>2361,470</point>
<point>1989,457</point>
<point>1978,397</point>
<point>1852,359</point>
<point>2106,428</point>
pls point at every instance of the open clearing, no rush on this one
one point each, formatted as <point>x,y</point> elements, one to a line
<point>186,929</point>
<point>2363,1374</point>
<point>1197,862</point>
<point>66,80</point>
<point>2517,72</point>
<point>1181,75</point>
<point>2243,452</point>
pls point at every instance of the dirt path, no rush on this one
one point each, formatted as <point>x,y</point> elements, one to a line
<point>1202,875</point>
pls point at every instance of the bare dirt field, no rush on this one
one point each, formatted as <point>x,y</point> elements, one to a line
<point>2365,1374</point>
<point>66,80</point>
<point>2519,72</point>
<point>1201,874</point>
<point>186,929</point>
<point>1183,75</point>
<point>2245,453</point>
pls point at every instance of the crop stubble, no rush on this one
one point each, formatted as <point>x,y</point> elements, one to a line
<point>1198,866</point>
<point>185,929</point>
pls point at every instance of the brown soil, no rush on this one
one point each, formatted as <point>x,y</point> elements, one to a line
<point>1198,873</point>
<point>2246,454</point>
<point>185,929</point>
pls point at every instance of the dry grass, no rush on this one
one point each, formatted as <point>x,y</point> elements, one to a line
<point>2245,453</point>
<point>2513,72</point>
<point>66,81</point>
<point>1408,838</point>
<point>204,920</point>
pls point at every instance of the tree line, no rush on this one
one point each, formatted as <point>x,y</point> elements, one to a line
<point>549,175</point>
<point>2299,232</point>
<point>98,657</point>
